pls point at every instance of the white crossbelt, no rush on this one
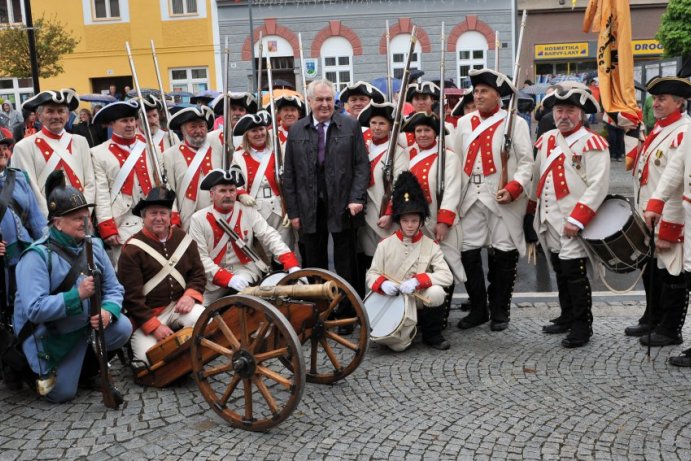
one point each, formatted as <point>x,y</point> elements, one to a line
<point>221,245</point>
<point>485,124</point>
<point>261,171</point>
<point>421,156</point>
<point>193,167</point>
<point>167,265</point>
<point>135,153</point>
<point>157,138</point>
<point>557,151</point>
<point>60,152</point>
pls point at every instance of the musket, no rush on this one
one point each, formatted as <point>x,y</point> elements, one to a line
<point>4,305</point>
<point>512,110</point>
<point>441,178</point>
<point>387,170</point>
<point>171,139</point>
<point>497,45</point>
<point>275,141</point>
<point>243,246</point>
<point>228,147</point>
<point>159,174</point>
<point>112,398</point>
<point>259,72</point>
<point>302,75</point>
<point>389,83</point>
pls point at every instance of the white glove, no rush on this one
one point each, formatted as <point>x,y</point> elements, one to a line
<point>237,283</point>
<point>294,269</point>
<point>302,280</point>
<point>389,288</point>
<point>408,287</point>
<point>246,199</point>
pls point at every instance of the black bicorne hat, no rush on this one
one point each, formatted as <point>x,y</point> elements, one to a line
<point>62,199</point>
<point>220,176</point>
<point>160,196</point>
<point>407,197</point>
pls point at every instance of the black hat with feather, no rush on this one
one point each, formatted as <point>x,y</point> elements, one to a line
<point>407,197</point>
<point>62,199</point>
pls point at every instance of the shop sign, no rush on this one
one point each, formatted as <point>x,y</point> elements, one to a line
<point>648,47</point>
<point>561,50</point>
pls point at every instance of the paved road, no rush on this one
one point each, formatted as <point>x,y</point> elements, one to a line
<point>509,395</point>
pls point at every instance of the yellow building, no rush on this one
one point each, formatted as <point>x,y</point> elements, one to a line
<point>184,32</point>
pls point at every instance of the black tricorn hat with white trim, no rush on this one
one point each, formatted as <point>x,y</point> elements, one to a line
<point>364,89</point>
<point>151,102</point>
<point>407,197</point>
<point>160,196</point>
<point>189,114</point>
<point>496,80</point>
<point>117,110</point>
<point>385,109</point>
<point>245,100</point>
<point>467,98</point>
<point>218,176</point>
<point>572,94</point>
<point>429,88</point>
<point>249,121</point>
<point>422,118</point>
<point>290,100</point>
<point>675,86</point>
<point>65,96</point>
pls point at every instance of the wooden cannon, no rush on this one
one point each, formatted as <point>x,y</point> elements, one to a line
<point>251,353</point>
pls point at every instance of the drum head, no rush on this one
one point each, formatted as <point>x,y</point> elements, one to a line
<point>611,218</point>
<point>385,313</point>
<point>272,279</point>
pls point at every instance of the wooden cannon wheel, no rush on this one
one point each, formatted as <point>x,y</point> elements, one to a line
<point>332,356</point>
<point>247,361</point>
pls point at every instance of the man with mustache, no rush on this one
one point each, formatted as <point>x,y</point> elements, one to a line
<point>161,137</point>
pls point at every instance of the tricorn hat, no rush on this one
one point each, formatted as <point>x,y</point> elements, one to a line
<point>160,196</point>
<point>62,199</point>
<point>384,109</point>
<point>496,80</point>
<point>675,86</point>
<point>218,176</point>
<point>364,89</point>
<point>65,96</point>
<point>249,121</point>
<point>189,114</point>
<point>572,94</point>
<point>467,98</point>
<point>245,100</point>
<point>423,118</point>
<point>151,102</point>
<point>117,110</point>
<point>429,88</point>
<point>289,100</point>
<point>407,197</point>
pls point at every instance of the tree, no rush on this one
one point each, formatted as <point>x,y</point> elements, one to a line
<point>675,28</point>
<point>53,41</point>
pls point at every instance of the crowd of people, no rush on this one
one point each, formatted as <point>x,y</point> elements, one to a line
<point>164,253</point>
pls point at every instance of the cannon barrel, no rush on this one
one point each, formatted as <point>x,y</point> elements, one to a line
<point>322,291</point>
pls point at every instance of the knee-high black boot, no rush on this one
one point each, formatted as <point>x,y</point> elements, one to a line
<point>447,304</point>
<point>562,323</point>
<point>581,302</point>
<point>475,286</point>
<point>653,296</point>
<point>673,303</point>
<point>431,321</point>
<point>502,280</point>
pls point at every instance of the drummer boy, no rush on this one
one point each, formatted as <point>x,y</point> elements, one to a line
<point>409,263</point>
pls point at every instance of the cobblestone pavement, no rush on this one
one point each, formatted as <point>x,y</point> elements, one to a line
<point>510,395</point>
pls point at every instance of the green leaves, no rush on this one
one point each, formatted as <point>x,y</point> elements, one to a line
<point>675,28</point>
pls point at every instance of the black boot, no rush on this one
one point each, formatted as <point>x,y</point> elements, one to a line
<point>653,300</point>
<point>574,271</point>
<point>562,323</point>
<point>502,280</point>
<point>431,320</point>
<point>475,286</point>
<point>673,303</point>
<point>447,304</point>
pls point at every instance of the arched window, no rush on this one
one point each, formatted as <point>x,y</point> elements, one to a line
<point>399,47</point>
<point>282,61</point>
<point>337,61</point>
<point>471,53</point>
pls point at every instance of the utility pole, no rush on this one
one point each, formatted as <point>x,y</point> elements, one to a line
<point>32,46</point>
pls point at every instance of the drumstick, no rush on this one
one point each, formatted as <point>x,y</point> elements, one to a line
<point>424,299</point>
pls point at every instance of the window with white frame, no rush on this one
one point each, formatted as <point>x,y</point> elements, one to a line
<point>11,11</point>
<point>106,9</point>
<point>337,61</point>
<point>399,47</point>
<point>189,79</point>
<point>183,7</point>
<point>471,53</point>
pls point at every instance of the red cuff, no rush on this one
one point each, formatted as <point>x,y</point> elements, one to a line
<point>655,205</point>
<point>531,208</point>
<point>671,232</point>
<point>222,277</point>
<point>175,219</point>
<point>377,284</point>
<point>150,325</point>
<point>582,213</point>
<point>107,228</point>
<point>514,188</point>
<point>194,294</point>
<point>425,281</point>
<point>241,192</point>
<point>288,260</point>
<point>446,217</point>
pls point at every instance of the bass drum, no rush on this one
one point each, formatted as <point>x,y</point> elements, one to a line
<point>273,279</point>
<point>617,236</point>
<point>392,319</point>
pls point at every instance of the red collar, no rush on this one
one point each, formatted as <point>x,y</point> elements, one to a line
<point>222,211</point>
<point>155,237</point>
<point>432,146</point>
<point>671,118</point>
<point>416,237</point>
<point>569,133</point>
<point>378,142</point>
<point>258,148</point>
<point>490,113</point>
<point>122,141</point>
<point>50,134</point>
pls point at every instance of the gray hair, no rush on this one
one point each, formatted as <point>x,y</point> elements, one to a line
<point>682,101</point>
<point>320,82</point>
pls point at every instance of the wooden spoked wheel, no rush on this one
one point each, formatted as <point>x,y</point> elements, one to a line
<point>247,361</point>
<point>331,356</point>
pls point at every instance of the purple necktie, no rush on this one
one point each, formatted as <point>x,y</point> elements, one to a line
<point>321,143</point>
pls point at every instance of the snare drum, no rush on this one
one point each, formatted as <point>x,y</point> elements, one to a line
<point>272,279</point>
<point>392,319</point>
<point>618,236</point>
